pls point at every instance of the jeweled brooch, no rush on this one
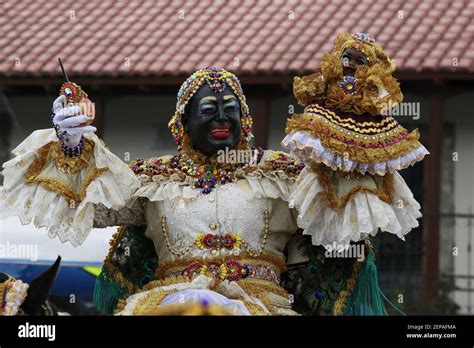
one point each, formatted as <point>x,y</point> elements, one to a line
<point>348,84</point>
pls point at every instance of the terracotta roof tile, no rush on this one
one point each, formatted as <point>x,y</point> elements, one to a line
<point>168,38</point>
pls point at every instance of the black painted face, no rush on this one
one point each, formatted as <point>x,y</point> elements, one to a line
<point>351,60</point>
<point>213,120</point>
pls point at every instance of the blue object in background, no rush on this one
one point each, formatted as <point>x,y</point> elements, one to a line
<point>73,278</point>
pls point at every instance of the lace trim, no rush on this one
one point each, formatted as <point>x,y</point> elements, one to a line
<point>384,189</point>
<point>332,115</point>
<point>54,184</point>
<point>379,147</point>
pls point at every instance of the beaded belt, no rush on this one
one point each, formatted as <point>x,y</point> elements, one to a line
<point>231,270</point>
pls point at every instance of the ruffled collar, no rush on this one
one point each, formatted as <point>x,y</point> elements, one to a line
<point>206,174</point>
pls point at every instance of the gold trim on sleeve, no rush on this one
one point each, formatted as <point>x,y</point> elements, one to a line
<point>384,191</point>
<point>71,165</point>
<point>46,154</point>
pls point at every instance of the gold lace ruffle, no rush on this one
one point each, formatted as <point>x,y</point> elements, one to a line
<point>253,287</point>
<point>256,287</point>
<point>33,176</point>
<point>188,309</point>
<point>260,289</point>
<point>148,303</point>
<point>322,130</point>
<point>159,296</point>
<point>71,165</point>
<point>309,89</point>
<point>325,177</point>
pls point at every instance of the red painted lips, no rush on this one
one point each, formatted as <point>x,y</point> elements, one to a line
<point>220,132</point>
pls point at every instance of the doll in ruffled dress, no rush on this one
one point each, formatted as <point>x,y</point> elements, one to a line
<point>352,146</point>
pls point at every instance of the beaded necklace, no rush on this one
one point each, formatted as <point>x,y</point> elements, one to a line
<point>208,173</point>
<point>207,176</point>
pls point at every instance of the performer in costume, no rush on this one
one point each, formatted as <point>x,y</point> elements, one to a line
<point>195,229</point>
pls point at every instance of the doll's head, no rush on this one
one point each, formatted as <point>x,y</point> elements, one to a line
<point>355,50</point>
<point>355,77</point>
<point>351,60</point>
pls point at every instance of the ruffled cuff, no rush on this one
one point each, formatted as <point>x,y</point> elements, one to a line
<point>311,149</point>
<point>41,186</point>
<point>361,212</point>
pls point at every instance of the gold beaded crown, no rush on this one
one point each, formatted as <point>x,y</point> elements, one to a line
<point>216,79</point>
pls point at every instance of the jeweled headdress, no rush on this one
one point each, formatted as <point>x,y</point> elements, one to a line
<point>216,79</point>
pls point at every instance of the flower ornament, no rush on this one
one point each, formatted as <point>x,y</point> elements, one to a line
<point>348,84</point>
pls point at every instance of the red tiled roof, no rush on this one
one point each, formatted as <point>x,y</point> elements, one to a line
<point>168,38</point>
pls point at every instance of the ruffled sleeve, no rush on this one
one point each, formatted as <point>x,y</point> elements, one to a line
<point>63,194</point>
<point>336,209</point>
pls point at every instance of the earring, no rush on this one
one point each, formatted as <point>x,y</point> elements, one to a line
<point>177,130</point>
<point>247,123</point>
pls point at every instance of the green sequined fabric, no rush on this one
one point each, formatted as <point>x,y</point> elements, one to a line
<point>333,285</point>
<point>130,265</point>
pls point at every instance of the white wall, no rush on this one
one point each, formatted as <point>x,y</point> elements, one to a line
<point>459,110</point>
<point>139,126</point>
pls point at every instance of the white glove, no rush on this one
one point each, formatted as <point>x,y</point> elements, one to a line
<point>67,119</point>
